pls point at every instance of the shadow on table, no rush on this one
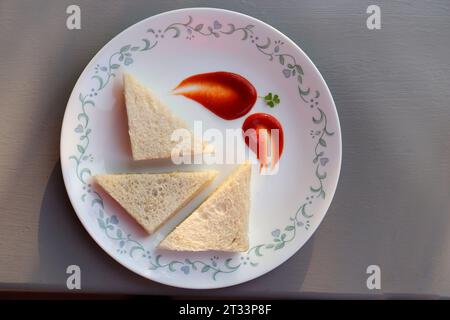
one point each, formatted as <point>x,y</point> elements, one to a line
<point>63,241</point>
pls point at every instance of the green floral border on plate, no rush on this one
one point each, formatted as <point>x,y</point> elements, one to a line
<point>271,48</point>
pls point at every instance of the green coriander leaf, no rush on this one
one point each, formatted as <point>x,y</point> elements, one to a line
<point>271,99</point>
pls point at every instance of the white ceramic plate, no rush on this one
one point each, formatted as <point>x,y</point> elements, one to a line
<point>161,51</point>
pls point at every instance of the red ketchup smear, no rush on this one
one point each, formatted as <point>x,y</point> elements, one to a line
<point>228,95</point>
<point>258,140</point>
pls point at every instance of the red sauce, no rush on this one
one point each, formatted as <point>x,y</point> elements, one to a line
<point>257,139</point>
<point>228,95</point>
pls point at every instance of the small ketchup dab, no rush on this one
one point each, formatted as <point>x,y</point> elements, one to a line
<point>228,95</point>
<point>267,135</point>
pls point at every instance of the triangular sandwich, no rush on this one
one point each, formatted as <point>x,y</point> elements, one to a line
<point>151,199</point>
<point>151,124</point>
<point>219,223</point>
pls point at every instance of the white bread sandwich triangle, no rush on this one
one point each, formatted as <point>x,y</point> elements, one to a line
<point>151,199</point>
<point>151,124</point>
<point>219,223</point>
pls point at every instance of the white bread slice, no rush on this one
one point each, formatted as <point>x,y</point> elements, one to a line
<point>151,124</point>
<point>151,199</point>
<point>219,223</point>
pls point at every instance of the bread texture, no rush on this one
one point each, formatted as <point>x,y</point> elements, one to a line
<point>220,222</point>
<point>151,199</point>
<point>151,124</point>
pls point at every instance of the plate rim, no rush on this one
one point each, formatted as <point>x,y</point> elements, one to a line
<point>333,183</point>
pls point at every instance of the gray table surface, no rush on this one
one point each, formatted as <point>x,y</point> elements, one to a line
<point>391,88</point>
